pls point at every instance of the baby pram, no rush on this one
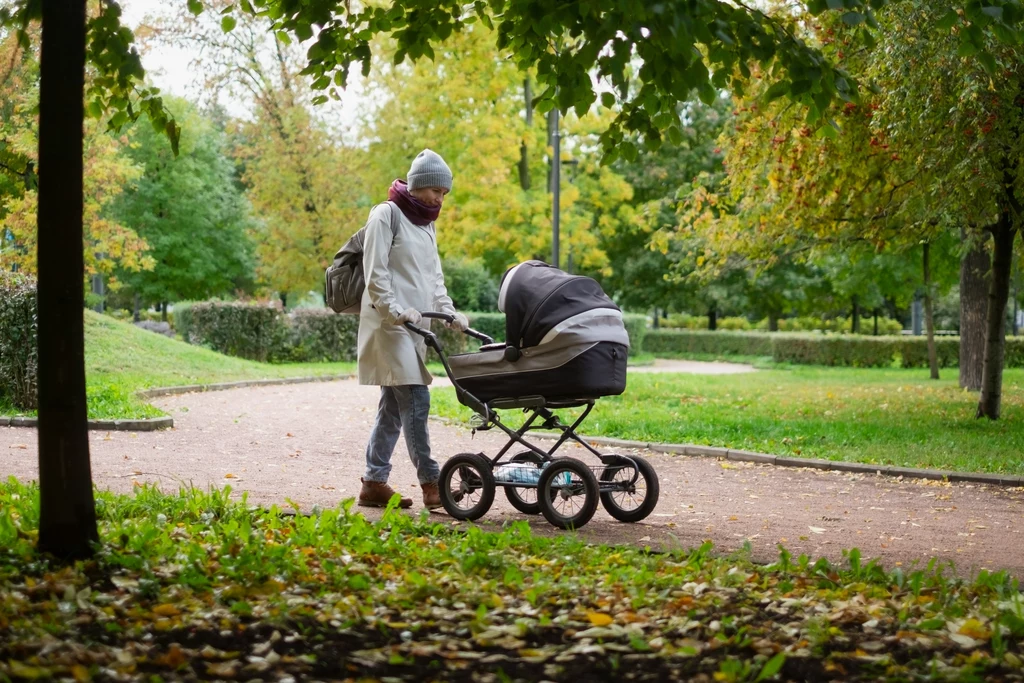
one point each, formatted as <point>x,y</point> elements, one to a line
<point>565,348</point>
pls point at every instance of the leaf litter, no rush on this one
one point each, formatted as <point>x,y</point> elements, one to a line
<point>197,586</point>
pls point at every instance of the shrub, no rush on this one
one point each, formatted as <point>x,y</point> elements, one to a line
<point>245,330</point>
<point>469,285</point>
<point>318,334</point>
<point>680,342</point>
<point>636,326</point>
<point>19,359</point>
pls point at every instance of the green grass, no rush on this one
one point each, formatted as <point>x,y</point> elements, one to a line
<point>198,586</point>
<point>121,359</point>
<point>877,416</point>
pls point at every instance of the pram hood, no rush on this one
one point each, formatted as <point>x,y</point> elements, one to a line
<point>540,302</point>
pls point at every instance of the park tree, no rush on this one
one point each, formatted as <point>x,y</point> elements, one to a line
<point>680,47</point>
<point>885,171</point>
<point>108,244</point>
<point>190,210</point>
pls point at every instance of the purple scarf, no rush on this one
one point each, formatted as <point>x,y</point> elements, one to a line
<point>415,210</point>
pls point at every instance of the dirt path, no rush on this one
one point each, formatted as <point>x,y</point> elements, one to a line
<point>305,443</point>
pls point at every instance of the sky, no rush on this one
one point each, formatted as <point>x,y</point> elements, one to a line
<point>167,68</point>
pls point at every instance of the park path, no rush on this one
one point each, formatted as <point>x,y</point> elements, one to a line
<point>304,443</point>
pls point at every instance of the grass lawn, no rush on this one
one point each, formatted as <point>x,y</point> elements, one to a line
<point>197,587</point>
<point>878,416</point>
<point>121,359</point>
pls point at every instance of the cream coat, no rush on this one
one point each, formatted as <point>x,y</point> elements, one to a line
<point>404,272</point>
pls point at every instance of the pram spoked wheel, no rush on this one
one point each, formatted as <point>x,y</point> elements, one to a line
<point>524,498</point>
<point>467,486</point>
<point>567,493</point>
<point>626,499</point>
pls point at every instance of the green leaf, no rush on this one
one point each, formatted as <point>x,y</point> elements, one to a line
<point>776,91</point>
<point>284,37</point>
<point>799,87</point>
<point>608,99</point>
<point>195,7</point>
<point>988,62</point>
<point>828,131</point>
<point>994,11</point>
<point>949,19</point>
<point>771,667</point>
<point>853,18</point>
<point>835,4</point>
<point>228,23</point>
<point>966,48</point>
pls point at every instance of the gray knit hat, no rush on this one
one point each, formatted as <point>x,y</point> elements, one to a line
<point>429,170</point>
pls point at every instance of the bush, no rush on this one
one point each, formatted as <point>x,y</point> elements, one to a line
<point>844,350</point>
<point>636,327</point>
<point>318,334</point>
<point>245,330</point>
<point>681,342</point>
<point>469,285</point>
<point>19,359</point>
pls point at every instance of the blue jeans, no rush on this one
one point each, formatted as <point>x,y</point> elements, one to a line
<point>402,408</point>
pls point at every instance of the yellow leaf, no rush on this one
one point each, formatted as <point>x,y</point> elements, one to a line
<point>80,673</point>
<point>166,611</point>
<point>975,629</point>
<point>230,476</point>
<point>599,618</point>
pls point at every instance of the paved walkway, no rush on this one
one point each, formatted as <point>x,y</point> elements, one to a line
<point>304,444</point>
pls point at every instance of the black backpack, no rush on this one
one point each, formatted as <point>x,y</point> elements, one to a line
<point>343,280</point>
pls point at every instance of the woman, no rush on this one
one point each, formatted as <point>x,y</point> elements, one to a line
<point>403,277</point>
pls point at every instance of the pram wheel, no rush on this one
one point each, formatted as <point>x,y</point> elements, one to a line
<point>524,498</point>
<point>567,493</point>
<point>467,486</point>
<point>624,501</point>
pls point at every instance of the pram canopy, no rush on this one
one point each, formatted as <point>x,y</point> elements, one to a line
<point>567,336</point>
<point>539,301</point>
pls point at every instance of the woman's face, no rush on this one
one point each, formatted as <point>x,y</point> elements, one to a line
<point>431,196</point>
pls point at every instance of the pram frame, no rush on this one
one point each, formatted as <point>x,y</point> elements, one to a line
<point>541,408</point>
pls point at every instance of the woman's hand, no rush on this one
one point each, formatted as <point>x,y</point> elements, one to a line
<point>410,315</point>
<point>460,323</point>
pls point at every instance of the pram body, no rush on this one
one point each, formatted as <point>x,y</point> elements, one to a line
<point>566,347</point>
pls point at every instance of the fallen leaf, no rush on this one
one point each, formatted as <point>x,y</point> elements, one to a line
<point>816,529</point>
<point>230,476</point>
<point>18,445</point>
<point>599,618</point>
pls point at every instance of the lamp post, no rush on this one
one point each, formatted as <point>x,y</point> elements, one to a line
<point>556,181</point>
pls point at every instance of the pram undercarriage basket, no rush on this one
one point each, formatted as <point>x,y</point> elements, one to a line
<point>571,351</point>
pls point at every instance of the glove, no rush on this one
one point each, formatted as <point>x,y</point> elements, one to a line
<point>460,323</point>
<point>409,315</point>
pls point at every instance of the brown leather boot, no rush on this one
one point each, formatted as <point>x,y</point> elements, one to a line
<point>377,494</point>
<point>431,495</point>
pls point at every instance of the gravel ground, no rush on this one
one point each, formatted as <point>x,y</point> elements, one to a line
<point>303,444</point>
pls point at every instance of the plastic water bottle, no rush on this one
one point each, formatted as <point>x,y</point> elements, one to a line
<point>526,473</point>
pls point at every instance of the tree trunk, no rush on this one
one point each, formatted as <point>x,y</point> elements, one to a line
<point>67,510</point>
<point>875,331</point>
<point>713,318</point>
<point>524,151</point>
<point>929,320</point>
<point>163,311</point>
<point>974,282</point>
<point>855,322</point>
<point>773,322</point>
<point>998,292</point>
<point>654,323</point>
<point>137,307</point>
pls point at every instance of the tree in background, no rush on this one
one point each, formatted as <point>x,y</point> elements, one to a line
<point>303,183</point>
<point>190,211</point>
<point>108,244</point>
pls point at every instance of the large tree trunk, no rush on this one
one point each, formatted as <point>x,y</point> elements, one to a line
<point>67,510</point>
<point>973,302</point>
<point>1004,233</point>
<point>773,322</point>
<point>713,318</point>
<point>855,323</point>
<point>929,320</point>
<point>524,151</point>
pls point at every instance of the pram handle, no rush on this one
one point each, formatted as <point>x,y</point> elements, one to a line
<point>448,318</point>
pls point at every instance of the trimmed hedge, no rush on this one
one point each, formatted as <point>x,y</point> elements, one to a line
<point>816,349</point>
<point>244,330</point>
<point>680,342</point>
<point>19,356</point>
<point>318,334</point>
